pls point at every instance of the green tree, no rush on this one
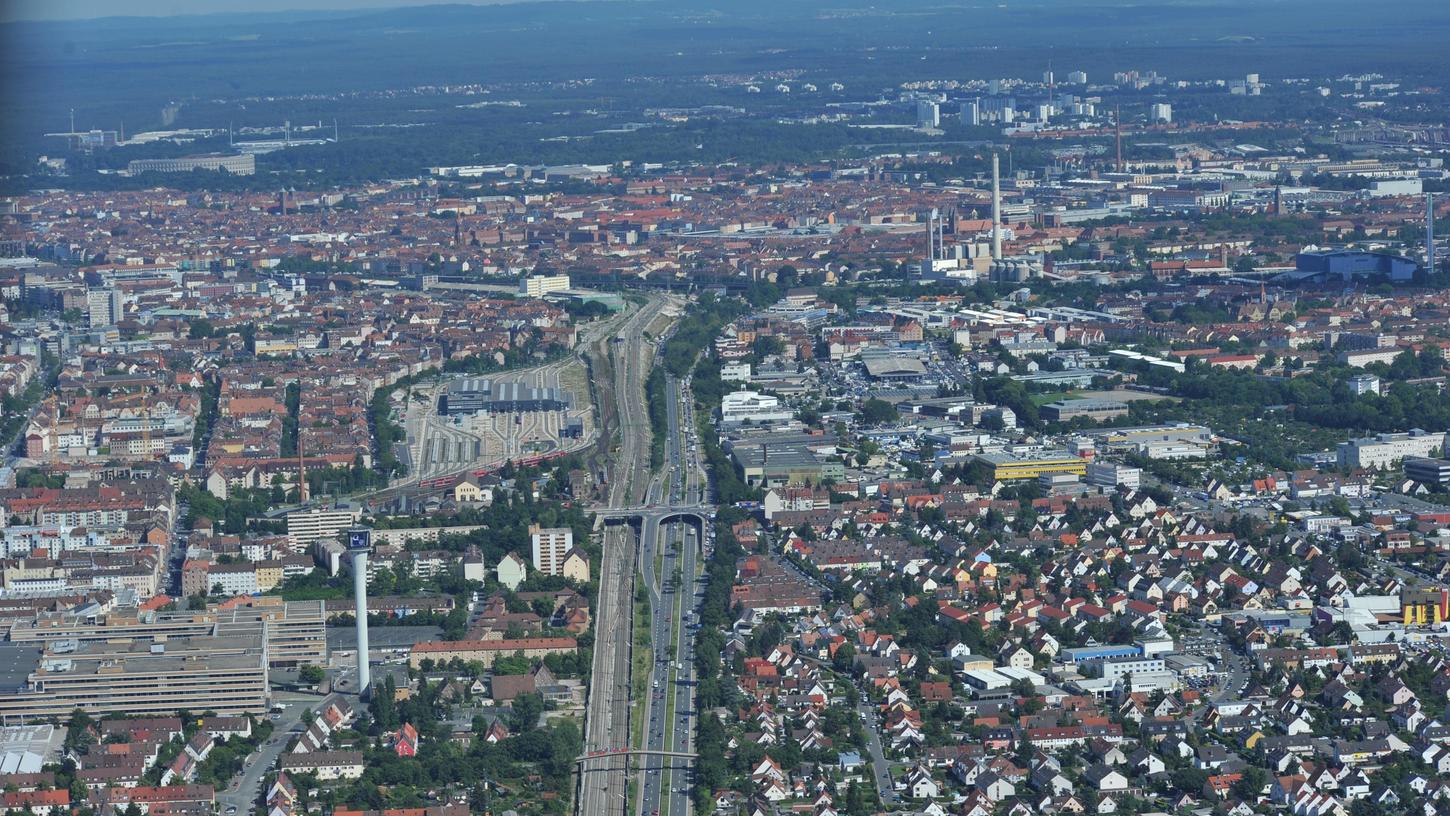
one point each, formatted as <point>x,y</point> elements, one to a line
<point>876,411</point>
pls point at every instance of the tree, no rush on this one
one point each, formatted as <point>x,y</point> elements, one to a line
<point>526,709</point>
<point>877,411</point>
<point>310,674</point>
<point>77,734</point>
<point>1251,785</point>
<point>1190,780</point>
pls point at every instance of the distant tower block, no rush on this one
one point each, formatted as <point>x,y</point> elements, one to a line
<point>359,543</point>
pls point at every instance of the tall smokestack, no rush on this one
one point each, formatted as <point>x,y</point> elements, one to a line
<point>359,542</point>
<point>1430,233</point>
<point>1118,134</point>
<point>996,210</point>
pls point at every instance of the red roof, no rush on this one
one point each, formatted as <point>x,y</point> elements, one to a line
<point>495,645</point>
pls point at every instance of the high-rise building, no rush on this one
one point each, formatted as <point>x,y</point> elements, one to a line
<point>307,526</point>
<point>971,113</point>
<point>104,307</point>
<point>550,546</point>
<point>1161,112</point>
<point>928,113</point>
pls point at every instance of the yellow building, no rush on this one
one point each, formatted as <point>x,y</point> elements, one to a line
<point>469,492</point>
<point>1009,468</point>
<point>1425,606</point>
<point>576,567</point>
<point>269,574</point>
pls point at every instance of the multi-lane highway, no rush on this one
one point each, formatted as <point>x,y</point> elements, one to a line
<point>675,595</point>
<point>666,557</point>
<point>603,784</point>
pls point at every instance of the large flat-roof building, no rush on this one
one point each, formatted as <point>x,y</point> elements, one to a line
<point>293,633</point>
<point>1428,471</point>
<point>894,367</point>
<point>1386,450</point>
<point>1096,410</point>
<point>778,460</point>
<point>244,164</point>
<point>473,394</point>
<point>1009,468</point>
<point>227,675</point>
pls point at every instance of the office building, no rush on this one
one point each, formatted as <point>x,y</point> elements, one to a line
<point>244,164</point>
<point>1114,667</point>
<point>1387,450</point>
<point>1428,471</point>
<point>1161,112</point>
<point>540,285</point>
<point>294,631</point>
<point>1113,475</point>
<point>739,407</point>
<point>1346,264</point>
<point>227,675</point>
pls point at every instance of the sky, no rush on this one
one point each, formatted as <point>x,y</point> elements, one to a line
<point>85,9</point>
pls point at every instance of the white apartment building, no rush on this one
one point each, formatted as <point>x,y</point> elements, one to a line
<point>1387,450</point>
<point>550,546</point>
<point>234,579</point>
<point>307,526</point>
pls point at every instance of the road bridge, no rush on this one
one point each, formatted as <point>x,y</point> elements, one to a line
<point>630,752</point>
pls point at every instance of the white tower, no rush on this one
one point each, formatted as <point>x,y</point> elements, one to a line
<point>1430,233</point>
<point>996,210</point>
<point>359,542</point>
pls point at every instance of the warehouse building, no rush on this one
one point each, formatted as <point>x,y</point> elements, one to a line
<point>1009,468</point>
<point>1096,410</point>
<point>473,394</point>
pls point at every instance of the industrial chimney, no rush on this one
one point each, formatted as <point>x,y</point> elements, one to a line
<point>996,210</point>
<point>1429,233</point>
<point>359,543</point>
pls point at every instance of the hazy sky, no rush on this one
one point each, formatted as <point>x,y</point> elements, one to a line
<point>83,9</point>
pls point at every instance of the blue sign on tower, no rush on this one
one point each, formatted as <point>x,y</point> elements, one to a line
<point>359,539</point>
